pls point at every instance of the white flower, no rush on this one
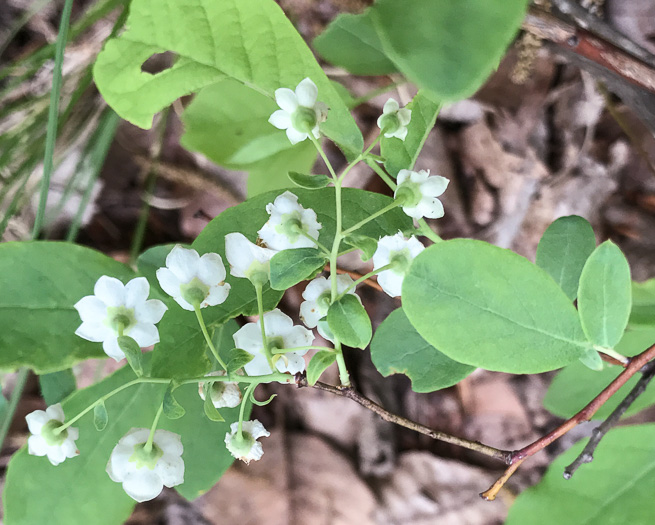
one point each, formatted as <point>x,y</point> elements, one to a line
<point>317,297</point>
<point>223,393</point>
<point>290,224</point>
<point>393,121</point>
<point>44,441</point>
<point>300,114</point>
<point>189,278</point>
<point>144,474</point>
<point>246,448</point>
<point>395,249</point>
<point>280,333</point>
<point>420,191</point>
<point>116,306</point>
<point>247,259</point>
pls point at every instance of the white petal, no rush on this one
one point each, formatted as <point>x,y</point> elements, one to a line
<point>310,313</point>
<point>135,436</point>
<point>298,336</point>
<point>296,136</point>
<point>315,288</point>
<point>37,446</point>
<point>217,295</point>
<point>169,442</point>
<point>307,93</point>
<point>293,364</point>
<point>249,338</point>
<point>280,119</point>
<point>415,246</point>
<point>277,323</point>
<point>68,447</point>
<point>56,455</point>
<point>183,262</point>
<point>169,282</point>
<point>413,211</point>
<point>56,412</point>
<point>136,292</point>
<point>182,302</point>
<point>170,469</point>
<point>434,186</point>
<point>400,133</point>
<point>431,208</point>
<point>404,116</point>
<point>258,366</point>
<point>150,312</point>
<point>403,175</point>
<point>91,309</point>
<point>390,106</point>
<point>143,485</point>
<point>94,332</point>
<point>111,348</point>
<point>145,334</point>
<point>110,291</point>
<point>36,420</point>
<point>391,282</point>
<point>255,429</point>
<point>286,99</point>
<point>119,465</point>
<point>211,269</point>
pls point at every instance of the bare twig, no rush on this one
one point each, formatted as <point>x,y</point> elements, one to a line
<point>587,454</point>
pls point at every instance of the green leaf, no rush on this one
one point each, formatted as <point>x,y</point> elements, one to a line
<point>210,410</point>
<point>488,307</point>
<point>591,359</point>
<point>563,250</point>
<point>172,409</point>
<point>79,490</point>
<point>238,359</point>
<point>643,305</point>
<point>4,407</point>
<point>605,296</point>
<point>398,348</point>
<point>249,41</point>
<point>56,386</point>
<point>402,155</point>
<point>613,488</point>
<point>349,321</point>
<point>351,42</point>
<point>132,352</point>
<point>367,245</point>
<point>100,416</point>
<point>38,321</point>
<point>311,182</point>
<point>576,385</point>
<point>272,173</point>
<point>452,49</point>
<point>289,267</point>
<point>318,364</point>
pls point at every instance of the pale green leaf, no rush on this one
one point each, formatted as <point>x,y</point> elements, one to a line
<point>309,181</point>
<point>238,359</point>
<point>100,416</point>
<point>272,173</point>
<point>171,408</point>
<point>349,322</point>
<point>56,386</point>
<point>318,364</point>
<point>289,267</point>
<point>643,305</point>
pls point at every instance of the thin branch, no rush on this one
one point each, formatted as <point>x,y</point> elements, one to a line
<point>519,456</point>
<point>351,393</point>
<point>587,454</point>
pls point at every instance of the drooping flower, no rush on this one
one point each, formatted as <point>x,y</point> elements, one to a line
<point>191,279</point>
<point>280,333</point>
<point>394,120</point>
<point>396,250</point>
<point>45,441</point>
<point>317,298</point>
<point>117,308</point>
<point>248,260</point>
<point>290,225</point>
<point>419,191</point>
<point>300,113</point>
<point>224,394</point>
<point>144,473</point>
<point>246,447</point>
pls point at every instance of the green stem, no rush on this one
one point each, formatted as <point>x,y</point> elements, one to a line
<point>425,229</point>
<point>359,157</point>
<point>320,246</point>
<point>375,215</point>
<point>374,93</point>
<point>210,344</point>
<point>613,353</point>
<point>344,376</point>
<point>260,310</point>
<point>267,378</point>
<point>246,396</point>
<point>367,276</point>
<point>319,148</point>
<point>16,393</point>
<point>148,446</point>
<point>382,174</point>
<point>301,348</point>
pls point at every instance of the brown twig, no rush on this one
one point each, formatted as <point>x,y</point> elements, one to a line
<point>351,393</point>
<point>519,456</point>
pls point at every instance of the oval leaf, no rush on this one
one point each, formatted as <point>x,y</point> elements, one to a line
<point>289,267</point>
<point>311,182</point>
<point>367,245</point>
<point>563,250</point>
<point>349,322</point>
<point>210,410</point>
<point>57,386</point>
<point>172,409</point>
<point>132,352</point>
<point>319,364</point>
<point>100,416</point>
<point>238,359</point>
<point>488,307</point>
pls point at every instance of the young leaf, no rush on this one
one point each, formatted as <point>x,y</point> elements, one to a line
<point>132,352</point>
<point>605,296</point>
<point>100,416</point>
<point>238,359</point>
<point>563,250</point>
<point>398,348</point>
<point>57,385</point>
<point>319,364</point>
<point>592,360</point>
<point>349,322</point>
<point>311,182</point>
<point>611,489</point>
<point>210,410</point>
<point>172,409</point>
<point>367,245</point>
<point>289,267</point>
<point>488,307</point>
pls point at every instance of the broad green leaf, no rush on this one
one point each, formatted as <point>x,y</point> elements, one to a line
<point>100,416</point>
<point>132,353</point>
<point>172,409</point>
<point>79,490</point>
<point>309,181</point>
<point>643,305</point>
<point>351,42</point>
<point>576,385</point>
<point>604,295</point>
<point>289,267</point>
<point>344,93</point>
<point>616,487</point>
<point>57,385</point>
<point>563,250</point>
<point>451,48</point>
<point>367,245</point>
<point>488,307</point>
<point>38,321</point>
<point>238,359</point>
<point>402,154</point>
<point>349,321</point>
<point>318,364</point>
<point>210,410</point>
<point>398,348</point>
<point>249,41</point>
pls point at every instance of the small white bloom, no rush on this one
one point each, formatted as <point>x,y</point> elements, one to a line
<point>246,448</point>
<point>317,297</point>
<point>44,441</point>
<point>223,393</point>
<point>144,474</point>
<point>301,113</point>
<point>246,259</point>
<point>399,251</point>
<point>116,306</point>
<point>394,120</point>
<point>189,278</point>
<point>280,333</point>
<point>289,224</point>
<point>420,191</point>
